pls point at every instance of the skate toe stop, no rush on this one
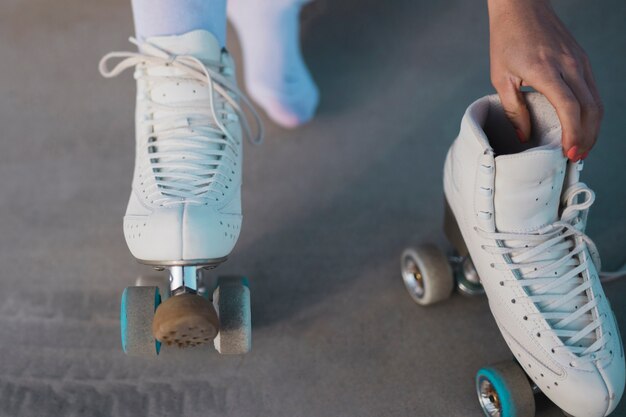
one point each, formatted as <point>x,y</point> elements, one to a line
<point>185,320</point>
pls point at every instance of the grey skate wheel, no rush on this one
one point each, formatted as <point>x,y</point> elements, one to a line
<point>155,280</point>
<point>504,391</point>
<point>232,301</point>
<point>427,274</point>
<point>137,312</point>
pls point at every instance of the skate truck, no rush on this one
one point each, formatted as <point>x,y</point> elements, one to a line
<point>186,310</point>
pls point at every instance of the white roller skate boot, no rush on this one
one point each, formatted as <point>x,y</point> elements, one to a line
<point>522,211</point>
<point>184,212</point>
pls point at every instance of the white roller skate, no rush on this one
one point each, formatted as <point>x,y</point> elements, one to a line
<point>517,213</point>
<point>184,212</point>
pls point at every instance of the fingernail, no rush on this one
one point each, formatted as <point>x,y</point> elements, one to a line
<point>572,153</point>
<point>520,135</point>
<point>583,156</point>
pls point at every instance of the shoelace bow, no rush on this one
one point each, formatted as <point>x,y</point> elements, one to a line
<point>191,152</point>
<point>546,275</point>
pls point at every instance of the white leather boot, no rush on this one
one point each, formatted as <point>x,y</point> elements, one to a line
<point>184,212</point>
<point>185,204</point>
<point>522,210</point>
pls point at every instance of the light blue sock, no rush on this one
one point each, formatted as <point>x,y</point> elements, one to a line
<point>176,17</point>
<point>276,75</point>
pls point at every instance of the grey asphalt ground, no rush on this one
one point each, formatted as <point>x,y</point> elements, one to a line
<point>328,209</point>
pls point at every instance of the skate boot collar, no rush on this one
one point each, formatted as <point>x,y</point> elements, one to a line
<point>198,43</point>
<point>486,122</point>
<point>527,189</point>
<point>529,176</point>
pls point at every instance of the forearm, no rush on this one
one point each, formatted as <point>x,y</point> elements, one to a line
<point>497,5</point>
<point>518,11</point>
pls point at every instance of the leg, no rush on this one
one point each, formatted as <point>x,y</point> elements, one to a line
<point>175,17</point>
<point>275,73</point>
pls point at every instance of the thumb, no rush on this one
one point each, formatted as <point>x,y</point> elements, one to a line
<point>515,109</point>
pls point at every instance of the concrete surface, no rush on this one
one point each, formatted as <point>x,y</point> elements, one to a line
<point>328,209</point>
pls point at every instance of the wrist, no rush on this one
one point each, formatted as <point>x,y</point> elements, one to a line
<point>504,5</point>
<point>515,3</point>
<point>514,8</point>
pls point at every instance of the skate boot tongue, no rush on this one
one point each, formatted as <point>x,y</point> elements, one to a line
<point>528,188</point>
<point>187,135</point>
<point>199,43</point>
<point>527,197</point>
<point>180,89</point>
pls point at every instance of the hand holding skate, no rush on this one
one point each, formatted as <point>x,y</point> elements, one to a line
<point>530,46</point>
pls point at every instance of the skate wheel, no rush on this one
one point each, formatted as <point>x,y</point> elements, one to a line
<point>427,274</point>
<point>137,312</point>
<point>155,280</point>
<point>504,391</point>
<point>232,298</point>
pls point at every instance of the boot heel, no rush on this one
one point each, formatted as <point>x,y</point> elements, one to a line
<point>452,231</point>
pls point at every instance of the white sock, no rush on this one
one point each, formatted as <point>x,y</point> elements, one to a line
<point>275,73</point>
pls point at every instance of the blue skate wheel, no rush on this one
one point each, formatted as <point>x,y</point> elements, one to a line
<point>136,314</point>
<point>232,302</point>
<point>504,391</point>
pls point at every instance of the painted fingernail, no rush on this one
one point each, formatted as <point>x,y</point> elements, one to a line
<point>520,135</point>
<point>572,153</point>
<point>583,156</point>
